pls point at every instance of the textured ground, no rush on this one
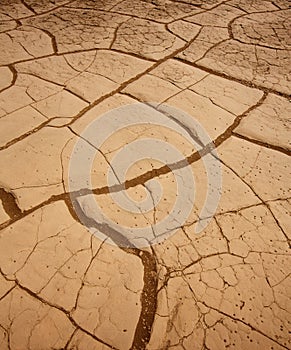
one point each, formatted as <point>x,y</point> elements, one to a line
<point>65,63</point>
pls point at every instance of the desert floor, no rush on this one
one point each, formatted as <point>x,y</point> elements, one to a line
<point>144,174</point>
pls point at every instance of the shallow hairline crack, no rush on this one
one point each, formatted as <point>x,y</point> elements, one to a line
<point>205,10</point>
<point>232,78</point>
<point>230,316</point>
<point>37,14</point>
<point>259,197</point>
<point>232,23</point>
<point>243,322</point>
<point>59,308</point>
<point>98,150</point>
<point>93,256</point>
<point>162,22</point>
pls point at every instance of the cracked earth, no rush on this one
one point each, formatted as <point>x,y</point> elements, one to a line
<point>64,64</point>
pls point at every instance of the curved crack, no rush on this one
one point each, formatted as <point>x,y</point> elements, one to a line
<point>149,292</point>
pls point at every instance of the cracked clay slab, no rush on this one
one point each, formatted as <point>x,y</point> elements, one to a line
<point>145,175</point>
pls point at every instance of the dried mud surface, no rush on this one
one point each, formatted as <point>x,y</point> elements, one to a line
<point>63,64</point>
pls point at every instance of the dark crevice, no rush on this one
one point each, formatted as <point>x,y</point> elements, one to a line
<point>115,34</point>
<point>52,37</point>
<point>69,340</point>
<point>82,51</point>
<point>149,293</point>
<point>23,136</point>
<point>212,47</point>
<point>24,213</point>
<point>14,77</point>
<point>171,32</point>
<point>30,8</point>
<point>143,178</point>
<point>264,144</point>
<point>5,294</point>
<point>9,203</point>
<point>148,301</point>
<point>119,239</point>
<point>77,95</point>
